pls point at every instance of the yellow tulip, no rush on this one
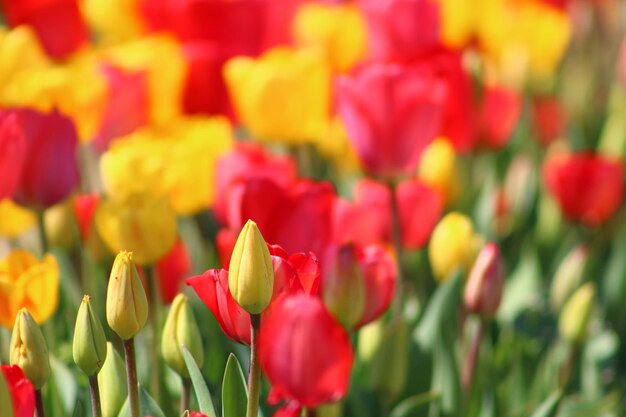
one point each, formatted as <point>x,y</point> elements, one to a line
<point>60,225</point>
<point>161,57</point>
<point>438,168</point>
<point>140,223</point>
<point>181,329</point>
<point>26,281</point>
<point>338,29</point>
<point>114,20</point>
<point>576,313</point>
<point>15,219</point>
<point>28,349</point>
<point>177,162</point>
<point>336,147</point>
<point>453,246</point>
<point>283,96</point>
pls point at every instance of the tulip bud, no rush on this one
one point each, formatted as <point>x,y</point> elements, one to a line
<point>251,274</point>
<point>126,304</point>
<point>181,328</point>
<point>6,402</point>
<point>89,348</point>
<point>576,313</point>
<point>29,350</point>
<point>483,291</point>
<point>112,382</point>
<point>438,168</point>
<point>342,286</point>
<point>568,277</point>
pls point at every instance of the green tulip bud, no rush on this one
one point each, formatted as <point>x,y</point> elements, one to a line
<point>181,328</point>
<point>29,350</point>
<point>126,304</point>
<point>568,277</point>
<point>112,383</point>
<point>576,313</point>
<point>251,274</point>
<point>90,344</point>
<point>6,402</point>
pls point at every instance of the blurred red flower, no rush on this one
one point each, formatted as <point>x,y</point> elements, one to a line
<point>589,187</point>
<point>50,170</point>
<point>549,119</point>
<point>58,23</point>
<point>12,149</point>
<point>84,210</point>
<point>391,113</point>
<point>304,352</point>
<point>499,112</point>
<point>292,274</point>
<point>172,269</point>
<point>21,390</point>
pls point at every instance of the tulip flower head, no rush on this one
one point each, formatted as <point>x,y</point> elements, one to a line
<point>12,148</point>
<point>17,395</point>
<point>576,313</point>
<point>483,291</point>
<point>112,381</point>
<point>28,349</point>
<point>89,347</point>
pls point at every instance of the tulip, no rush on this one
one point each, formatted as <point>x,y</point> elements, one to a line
<point>141,223</point>
<point>300,328</point>
<point>126,302</point>
<point>46,17</point>
<point>28,349</point>
<point>568,277</point>
<point>172,269</point>
<point>28,282</point>
<point>402,29</point>
<point>21,393</point>
<point>588,187</point>
<point>483,291</point>
<point>437,169</point>
<point>59,225</point>
<point>251,274</point>
<point>50,171</point>
<point>181,329</point>
<point>338,29</point>
<point>111,380</point>
<point>390,146</point>
<point>576,314</point>
<point>499,113</point>
<point>549,119</point>
<point>298,78</point>
<point>85,208</point>
<point>12,148</point>
<point>115,20</point>
<point>89,347</point>
<point>452,246</point>
<point>14,219</point>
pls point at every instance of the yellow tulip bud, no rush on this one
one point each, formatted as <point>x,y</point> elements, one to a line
<point>112,382</point>
<point>568,277</point>
<point>453,245</point>
<point>181,328</point>
<point>6,402</point>
<point>126,304</point>
<point>438,168</point>
<point>29,350</point>
<point>60,225</point>
<point>576,313</point>
<point>89,347</point>
<point>251,274</point>
<point>389,361</point>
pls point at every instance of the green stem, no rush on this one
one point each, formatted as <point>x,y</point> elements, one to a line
<point>472,357</point>
<point>397,245</point>
<point>185,395</point>
<point>154,320</point>
<point>254,377</point>
<point>568,366</point>
<point>94,392</point>
<point>131,377</point>
<point>39,411</point>
<point>41,221</point>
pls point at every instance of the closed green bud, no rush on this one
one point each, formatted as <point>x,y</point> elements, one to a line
<point>90,344</point>
<point>251,273</point>
<point>126,304</point>
<point>568,277</point>
<point>576,313</point>
<point>181,328</point>
<point>6,402</point>
<point>29,350</point>
<point>112,383</point>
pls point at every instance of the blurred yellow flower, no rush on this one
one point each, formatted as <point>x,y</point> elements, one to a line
<point>20,51</point>
<point>28,282</point>
<point>114,20</point>
<point>338,29</point>
<point>60,224</point>
<point>15,219</point>
<point>453,246</point>
<point>139,223</point>
<point>283,96</point>
<point>336,147</point>
<point>438,169</point>
<point>161,57</point>
<point>177,161</point>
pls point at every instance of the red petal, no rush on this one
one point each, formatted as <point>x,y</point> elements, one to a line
<point>22,391</point>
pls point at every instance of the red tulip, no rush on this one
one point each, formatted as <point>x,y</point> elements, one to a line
<point>292,274</point>
<point>368,219</point>
<point>391,113</point>
<point>197,414</point>
<point>58,23</point>
<point>549,119</point>
<point>402,29</point>
<point>500,110</point>
<point>50,171</point>
<point>85,209</point>
<point>21,390</point>
<point>589,187</point>
<point>304,352</point>
<point>172,269</point>
<point>12,149</point>
<point>483,291</point>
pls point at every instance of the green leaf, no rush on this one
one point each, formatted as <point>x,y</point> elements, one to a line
<point>147,406</point>
<point>234,390</point>
<point>549,407</point>
<point>446,376</point>
<point>411,405</point>
<point>205,401</point>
